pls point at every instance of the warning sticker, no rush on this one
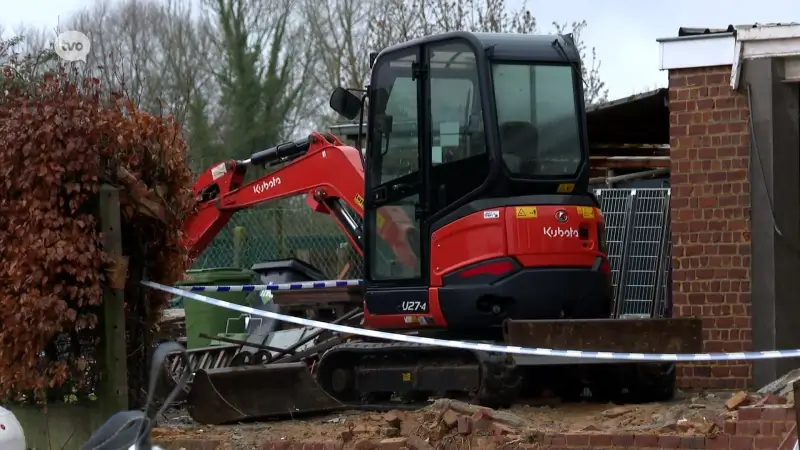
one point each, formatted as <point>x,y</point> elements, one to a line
<point>359,201</point>
<point>566,188</point>
<point>526,212</point>
<point>587,212</point>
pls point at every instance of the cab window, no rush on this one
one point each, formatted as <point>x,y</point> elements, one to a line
<point>538,119</point>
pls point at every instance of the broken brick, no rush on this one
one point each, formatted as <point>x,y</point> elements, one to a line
<point>346,435</point>
<point>737,400</point>
<point>450,419</point>
<point>394,418</point>
<point>482,414</point>
<point>481,420</point>
<point>396,443</point>
<point>499,429</point>
<point>417,443</point>
<point>616,412</point>
<point>366,444</point>
<point>464,425</point>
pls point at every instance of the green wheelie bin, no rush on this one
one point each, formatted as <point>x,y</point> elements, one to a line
<point>212,320</point>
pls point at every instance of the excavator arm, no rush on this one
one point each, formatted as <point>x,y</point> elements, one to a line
<point>330,173</point>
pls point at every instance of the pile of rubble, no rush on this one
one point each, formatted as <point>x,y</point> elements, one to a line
<point>444,422</point>
<point>454,424</point>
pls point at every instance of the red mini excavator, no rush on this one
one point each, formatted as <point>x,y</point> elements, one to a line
<point>477,222</point>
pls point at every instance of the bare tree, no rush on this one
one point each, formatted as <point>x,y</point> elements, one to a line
<point>154,50</point>
<point>594,88</point>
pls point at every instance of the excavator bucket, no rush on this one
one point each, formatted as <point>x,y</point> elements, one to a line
<point>247,393</point>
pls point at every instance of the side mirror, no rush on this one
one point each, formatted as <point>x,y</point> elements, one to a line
<point>345,103</point>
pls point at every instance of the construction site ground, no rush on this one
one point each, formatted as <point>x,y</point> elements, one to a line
<point>452,424</point>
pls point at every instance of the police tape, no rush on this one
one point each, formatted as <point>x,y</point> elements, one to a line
<point>276,286</point>
<point>478,346</point>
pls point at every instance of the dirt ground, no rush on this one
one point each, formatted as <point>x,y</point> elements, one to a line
<point>687,414</point>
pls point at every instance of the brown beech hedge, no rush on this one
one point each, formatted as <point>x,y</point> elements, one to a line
<point>60,140</point>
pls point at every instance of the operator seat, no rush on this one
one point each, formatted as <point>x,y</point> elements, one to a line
<point>516,140</point>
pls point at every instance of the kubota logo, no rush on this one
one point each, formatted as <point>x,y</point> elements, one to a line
<point>553,232</point>
<point>264,186</point>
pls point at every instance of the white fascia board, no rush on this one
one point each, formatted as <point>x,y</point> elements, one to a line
<point>768,32</point>
<point>705,50</point>
<point>776,41</point>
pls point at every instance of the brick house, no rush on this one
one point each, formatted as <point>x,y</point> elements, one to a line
<point>735,210</point>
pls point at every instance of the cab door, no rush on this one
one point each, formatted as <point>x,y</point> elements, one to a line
<point>396,268</point>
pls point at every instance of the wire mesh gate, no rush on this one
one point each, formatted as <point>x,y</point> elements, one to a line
<point>639,249</point>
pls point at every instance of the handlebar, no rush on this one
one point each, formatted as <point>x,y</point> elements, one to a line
<point>131,429</point>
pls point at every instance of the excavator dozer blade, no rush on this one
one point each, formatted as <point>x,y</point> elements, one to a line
<point>247,393</point>
<point>671,335</point>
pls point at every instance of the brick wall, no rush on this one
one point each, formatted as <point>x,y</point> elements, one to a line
<point>710,210</point>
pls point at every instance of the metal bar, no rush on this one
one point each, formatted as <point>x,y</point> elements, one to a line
<point>240,342</point>
<point>664,254</point>
<point>626,243</point>
<point>629,176</point>
<point>314,334</point>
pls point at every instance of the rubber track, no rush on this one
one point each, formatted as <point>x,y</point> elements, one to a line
<point>500,381</point>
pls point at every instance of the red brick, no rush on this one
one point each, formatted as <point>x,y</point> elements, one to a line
<point>646,440</point>
<point>668,441</point>
<point>698,442</point>
<point>577,440</point>
<point>718,442</point>
<point>767,442</point>
<point>742,443</point>
<point>600,440</point>
<point>774,413</point>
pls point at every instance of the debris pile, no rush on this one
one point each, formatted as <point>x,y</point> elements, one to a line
<point>447,422</point>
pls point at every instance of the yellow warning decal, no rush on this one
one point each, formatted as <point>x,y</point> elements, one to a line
<point>587,212</point>
<point>406,376</point>
<point>380,220</point>
<point>566,188</point>
<point>526,212</point>
<point>359,201</point>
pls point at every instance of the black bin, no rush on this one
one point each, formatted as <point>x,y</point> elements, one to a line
<point>278,272</point>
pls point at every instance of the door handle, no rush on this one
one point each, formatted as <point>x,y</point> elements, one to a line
<point>399,187</point>
<point>379,195</point>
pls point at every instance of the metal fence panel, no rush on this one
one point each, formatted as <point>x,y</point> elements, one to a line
<point>283,229</point>
<point>638,235</point>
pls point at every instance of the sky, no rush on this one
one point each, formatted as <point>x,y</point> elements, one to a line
<point>624,32</point>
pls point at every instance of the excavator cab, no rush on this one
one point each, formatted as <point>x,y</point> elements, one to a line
<point>479,141</point>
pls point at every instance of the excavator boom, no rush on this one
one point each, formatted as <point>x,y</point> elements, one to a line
<point>324,168</point>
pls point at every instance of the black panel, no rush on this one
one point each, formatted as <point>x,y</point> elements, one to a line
<point>551,293</point>
<point>397,301</point>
